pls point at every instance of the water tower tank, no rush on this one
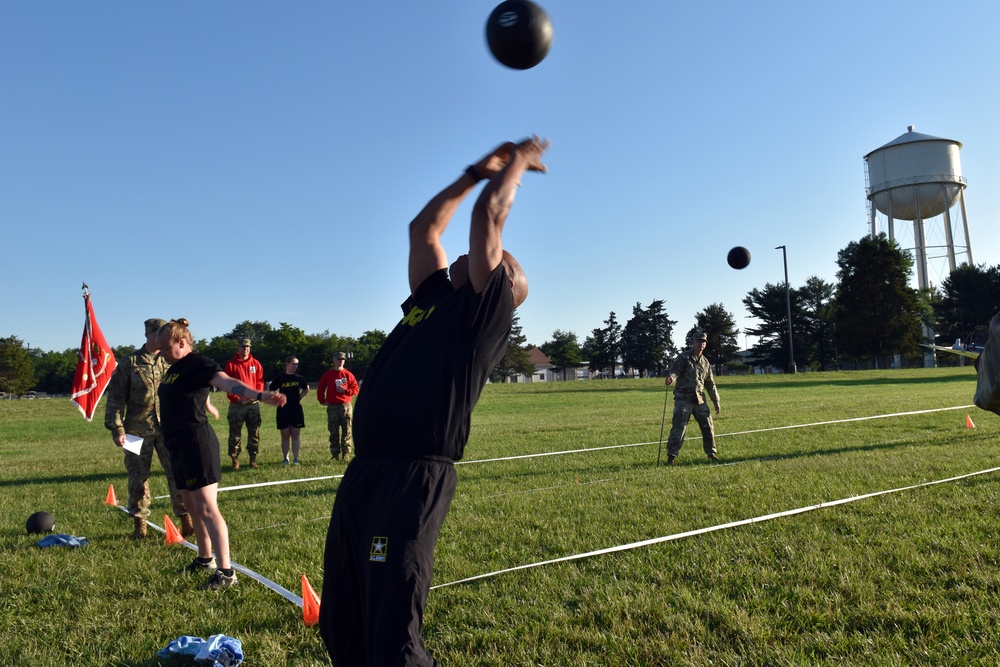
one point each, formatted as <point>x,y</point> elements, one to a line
<point>915,176</point>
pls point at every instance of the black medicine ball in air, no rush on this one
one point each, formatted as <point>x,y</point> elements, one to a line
<point>40,522</point>
<point>738,257</point>
<point>519,34</point>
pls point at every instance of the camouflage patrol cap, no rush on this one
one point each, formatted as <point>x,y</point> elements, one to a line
<point>245,342</point>
<point>699,335</point>
<point>154,324</point>
<point>340,355</point>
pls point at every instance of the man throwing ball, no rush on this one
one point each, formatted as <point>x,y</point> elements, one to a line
<point>409,427</point>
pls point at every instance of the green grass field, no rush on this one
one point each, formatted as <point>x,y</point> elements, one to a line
<point>905,578</point>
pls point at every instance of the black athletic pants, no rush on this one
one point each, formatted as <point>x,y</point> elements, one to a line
<point>379,560</point>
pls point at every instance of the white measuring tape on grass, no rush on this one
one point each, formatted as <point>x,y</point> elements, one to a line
<point>711,529</point>
<point>606,447</point>
<point>277,588</point>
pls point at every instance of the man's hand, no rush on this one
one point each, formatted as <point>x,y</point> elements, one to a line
<point>491,164</point>
<point>120,440</point>
<point>532,150</point>
<point>670,380</point>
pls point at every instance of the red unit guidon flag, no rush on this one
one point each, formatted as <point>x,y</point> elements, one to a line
<point>95,366</point>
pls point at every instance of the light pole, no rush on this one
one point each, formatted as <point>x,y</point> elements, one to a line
<point>788,307</point>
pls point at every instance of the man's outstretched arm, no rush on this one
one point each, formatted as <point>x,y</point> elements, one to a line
<point>491,209</point>
<point>427,255</point>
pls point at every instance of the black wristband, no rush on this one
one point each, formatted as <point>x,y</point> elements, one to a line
<point>473,173</point>
<point>260,396</point>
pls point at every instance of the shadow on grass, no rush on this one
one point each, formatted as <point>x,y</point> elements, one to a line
<point>696,459</point>
<point>33,481</point>
<point>860,382</point>
<point>175,661</point>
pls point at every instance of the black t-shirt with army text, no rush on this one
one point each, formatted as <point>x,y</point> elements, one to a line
<point>419,392</point>
<point>291,385</point>
<point>183,391</point>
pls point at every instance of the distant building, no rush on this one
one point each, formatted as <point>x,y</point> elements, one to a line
<point>543,368</point>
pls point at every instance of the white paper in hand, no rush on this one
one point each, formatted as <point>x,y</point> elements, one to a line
<point>133,443</point>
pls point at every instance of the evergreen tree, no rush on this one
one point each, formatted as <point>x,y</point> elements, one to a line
<point>970,297</point>
<point>723,336</point>
<point>603,346</point>
<point>515,360</point>
<point>647,339</point>
<point>877,312</point>
<point>814,341</point>
<point>563,351</point>
<point>17,372</point>
<point>769,308</point>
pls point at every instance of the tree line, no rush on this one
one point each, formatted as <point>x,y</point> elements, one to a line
<point>866,318</point>
<point>22,368</point>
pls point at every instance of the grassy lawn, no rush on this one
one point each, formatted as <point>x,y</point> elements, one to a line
<point>904,578</point>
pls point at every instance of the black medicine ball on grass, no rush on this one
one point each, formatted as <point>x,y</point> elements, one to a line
<point>40,522</point>
<point>519,34</point>
<point>738,257</point>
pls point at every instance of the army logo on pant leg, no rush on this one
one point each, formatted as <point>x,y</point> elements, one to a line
<point>380,548</point>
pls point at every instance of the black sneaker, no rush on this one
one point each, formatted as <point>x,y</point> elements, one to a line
<point>198,565</point>
<point>671,460</point>
<point>713,457</point>
<point>220,581</point>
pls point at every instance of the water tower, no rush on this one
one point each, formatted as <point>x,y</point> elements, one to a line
<point>917,177</point>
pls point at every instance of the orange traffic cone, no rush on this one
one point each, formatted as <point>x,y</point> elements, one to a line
<point>310,603</point>
<point>112,499</point>
<point>968,422</point>
<point>173,535</point>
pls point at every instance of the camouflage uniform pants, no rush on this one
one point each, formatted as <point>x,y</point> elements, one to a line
<point>339,417</point>
<point>682,415</point>
<point>237,416</point>
<point>138,467</point>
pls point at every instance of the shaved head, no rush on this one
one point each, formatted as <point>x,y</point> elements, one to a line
<point>519,281</point>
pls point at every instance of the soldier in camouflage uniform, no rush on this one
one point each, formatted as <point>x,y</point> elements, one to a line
<point>693,374</point>
<point>133,408</point>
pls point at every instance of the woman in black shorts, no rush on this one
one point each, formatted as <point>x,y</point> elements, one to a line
<point>290,417</point>
<point>193,446</point>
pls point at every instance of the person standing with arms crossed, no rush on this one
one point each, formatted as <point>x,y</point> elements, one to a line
<point>693,373</point>
<point>289,417</point>
<point>242,410</point>
<point>337,388</point>
<point>133,407</point>
<point>413,416</point>
<point>193,446</point>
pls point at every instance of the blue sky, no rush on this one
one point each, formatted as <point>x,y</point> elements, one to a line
<point>231,161</point>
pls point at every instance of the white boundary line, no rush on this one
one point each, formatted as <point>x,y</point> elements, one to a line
<point>277,588</point>
<point>597,449</point>
<point>701,531</point>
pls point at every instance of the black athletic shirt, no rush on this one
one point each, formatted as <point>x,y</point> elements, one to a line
<point>418,394</point>
<point>183,391</point>
<point>291,385</point>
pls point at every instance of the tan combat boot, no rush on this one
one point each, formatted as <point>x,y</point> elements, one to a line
<point>187,525</point>
<point>253,461</point>
<point>236,461</point>
<point>140,528</point>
